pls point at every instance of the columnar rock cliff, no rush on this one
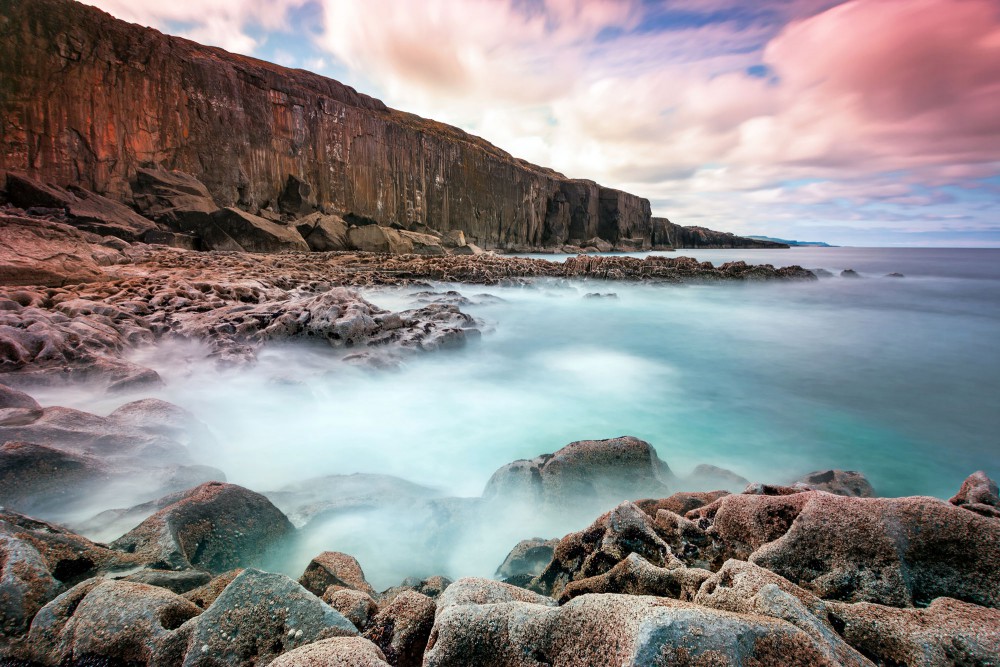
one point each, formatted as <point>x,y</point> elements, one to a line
<point>87,99</point>
<point>669,234</point>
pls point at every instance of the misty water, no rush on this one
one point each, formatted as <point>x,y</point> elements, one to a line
<point>897,378</point>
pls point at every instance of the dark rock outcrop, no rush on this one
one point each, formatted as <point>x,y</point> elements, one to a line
<point>666,234</point>
<point>91,100</point>
<point>215,527</point>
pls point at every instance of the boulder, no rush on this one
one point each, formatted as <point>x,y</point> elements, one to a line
<point>593,474</point>
<point>214,526</point>
<point>679,503</point>
<point>528,557</point>
<point>840,482</point>
<point>745,588</point>
<point>401,628</point>
<point>255,619</point>
<point>36,252</point>
<point>82,209</point>
<point>205,595</point>
<point>432,587</point>
<point>250,232</point>
<point>357,607</point>
<point>468,249</point>
<point>373,238</point>
<point>478,591</point>
<point>946,633</point>
<point>43,480</point>
<point>615,630</point>
<point>707,477</point>
<point>423,244</point>
<point>635,575</point>
<point>598,244</point>
<point>173,198</point>
<point>454,238</point>
<point>979,494</point>
<point>849,273</point>
<point>336,652</point>
<point>26,584</point>
<point>118,621</point>
<point>332,569</point>
<point>598,548</point>
<point>323,233</point>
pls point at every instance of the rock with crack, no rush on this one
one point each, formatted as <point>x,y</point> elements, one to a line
<point>214,527</point>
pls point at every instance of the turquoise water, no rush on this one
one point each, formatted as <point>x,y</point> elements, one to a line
<point>897,378</point>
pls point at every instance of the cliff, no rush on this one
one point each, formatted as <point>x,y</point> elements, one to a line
<point>667,234</point>
<point>87,99</point>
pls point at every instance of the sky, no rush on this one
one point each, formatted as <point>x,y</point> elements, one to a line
<point>868,122</point>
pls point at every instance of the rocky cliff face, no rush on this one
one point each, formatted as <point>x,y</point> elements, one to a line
<point>87,99</point>
<point>667,234</point>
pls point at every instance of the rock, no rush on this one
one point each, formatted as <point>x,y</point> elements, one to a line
<point>34,252</point>
<point>599,244</point>
<point>257,617</point>
<point>840,482</point>
<point>849,273</point>
<point>173,198</point>
<point>401,629</point>
<point>892,551</point>
<point>432,587</point>
<point>631,245</point>
<point>745,588</point>
<point>679,503</point>
<point>214,526</point>
<point>468,249</point>
<point>85,210</point>
<point>337,570</point>
<point>635,575</point>
<point>336,652</point>
<point>707,477</point>
<point>594,473</point>
<point>160,418</point>
<point>357,607</point>
<point>176,582</point>
<point>297,198</point>
<point>373,238</point>
<point>979,494</point>
<point>250,233</point>
<point>11,398</point>
<point>528,557</point>
<point>205,595</point>
<point>598,548</point>
<point>598,295</point>
<point>894,275</point>
<point>454,238</point>
<point>172,240</point>
<point>323,233</point>
<point>119,621</point>
<point>26,584</point>
<point>667,235</point>
<point>423,244</point>
<point>822,273</point>
<point>43,480</point>
<point>947,632</point>
<point>477,591</point>
<point>615,630</point>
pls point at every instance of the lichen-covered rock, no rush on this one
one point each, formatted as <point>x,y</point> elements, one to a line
<point>357,607</point>
<point>401,628</point>
<point>477,591</point>
<point>635,575</point>
<point>745,588</point>
<point>840,482</point>
<point>979,494</point>
<point>615,630</point>
<point>598,548</point>
<point>26,584</point>
<point>214,526</point>
<point>947,633</point>
<point>336,652</point>
<point>528,557</point>
<point>594,473</point>
<point>336,570</point>
<point>257,617</point>
<point>118,621</point>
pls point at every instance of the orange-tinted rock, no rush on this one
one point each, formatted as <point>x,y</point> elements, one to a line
<point>332,568</point>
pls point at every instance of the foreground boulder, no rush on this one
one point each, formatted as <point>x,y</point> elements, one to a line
<point>257,617</point>
<point>592,473</point>
<point>215,527</point>
<point>615,630</point>
<point>402,627</point>
<point>337,652</point>
<point>117,621</point>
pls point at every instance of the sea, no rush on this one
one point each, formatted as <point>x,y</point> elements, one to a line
<point>898,378</point>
